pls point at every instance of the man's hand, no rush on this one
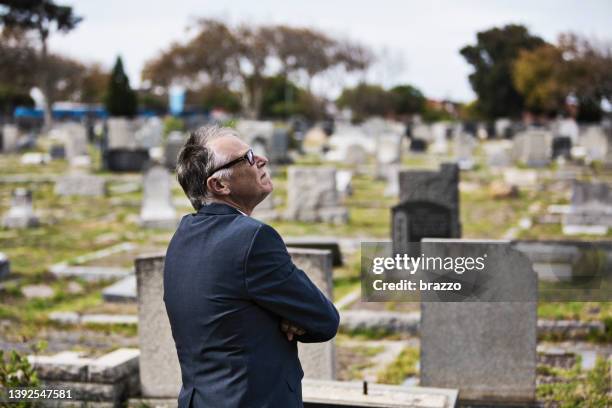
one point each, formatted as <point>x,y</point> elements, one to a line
<point>291,330</point>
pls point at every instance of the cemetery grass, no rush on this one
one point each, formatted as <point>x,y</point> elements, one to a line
<point>405,365</point>
<point>574,387</point>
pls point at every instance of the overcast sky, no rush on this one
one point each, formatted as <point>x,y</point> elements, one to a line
<point>419,39</point>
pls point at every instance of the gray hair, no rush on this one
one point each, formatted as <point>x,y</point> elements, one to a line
<point>197,160</point>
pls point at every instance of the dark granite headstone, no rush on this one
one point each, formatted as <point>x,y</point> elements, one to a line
<point>418,145</point>
<point>125,160</point>
<point>561,147</point>
<point>428,208</point>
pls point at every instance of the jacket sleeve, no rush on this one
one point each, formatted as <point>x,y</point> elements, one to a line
<point>276,284</point>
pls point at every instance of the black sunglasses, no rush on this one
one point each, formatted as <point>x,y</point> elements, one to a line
<point>249,156</point>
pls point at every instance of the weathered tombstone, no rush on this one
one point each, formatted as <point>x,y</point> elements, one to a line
<point>80,184</point>
<point>464,150</point>
<point>174,144</point>
<point>428,208</point>
<point>160,372</point>
<point>485,349</point>
<point>503,128</point>
<point>10,136</point>
<point>440,144</point>
<point>533,147</point>
<point>498,153</point>
<point>567,128</point>
<point>318,359</point>
<point>313,197</point>
<point>391,174</point>
<point>150,133</point>
<point>595,141</point>
<point>344,183</point>
<point>75,141</point>
<point>57,151</point>
<point>157,209</point>
<point>21,213</point>
<point>123,290</point>
<point>121,152</point>
<point>590,209</point>
<point>388,152</point>
<point>5,266</point>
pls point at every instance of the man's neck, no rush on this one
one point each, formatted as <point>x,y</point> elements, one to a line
<point>228,201</point>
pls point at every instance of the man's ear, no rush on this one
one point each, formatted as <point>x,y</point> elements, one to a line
<point>217,186</point>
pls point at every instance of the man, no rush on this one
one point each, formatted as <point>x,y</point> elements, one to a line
<point>236,302</point>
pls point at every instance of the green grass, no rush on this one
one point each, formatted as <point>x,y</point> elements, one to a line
<point>577,388</point>
<point>404,366</point>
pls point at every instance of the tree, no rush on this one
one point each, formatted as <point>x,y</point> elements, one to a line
<point>121,100</point>
<point>42,17</point>
<point>492,58</point>
<point>222,56</point>
<point>538,77</point>
<point>94,84</point>
<point>17,71</point>
<point>407,100</point>
<point>576,67</point>
<point>366,100</point>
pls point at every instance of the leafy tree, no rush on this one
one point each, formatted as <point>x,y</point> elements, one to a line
<point>215,97</point>
<point>94,84</point>
<point>274,103</point>
<point>121,100</point>
<point>42,17</point>
<point>407,100</point>
<point>492,57</point>
<point>17,70</point>
<point>538,77</point>
<point>366,100</point>
<point>222,56</point>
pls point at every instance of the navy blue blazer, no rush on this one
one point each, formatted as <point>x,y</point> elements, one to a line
<point>228,282</point>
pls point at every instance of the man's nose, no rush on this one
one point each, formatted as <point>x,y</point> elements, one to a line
<point>261,161</point>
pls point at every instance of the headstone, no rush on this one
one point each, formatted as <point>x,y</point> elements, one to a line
<point>150,133</point>
<point>75,141</point>
<point>590,210</point>
<point>418,145</point>
<point>105,381</point>
<point>37,291</point>
<point>121,134</point>
<point>355,155</point>
<point>317,242</point>
<point>5,266</point>
<point>35,158</point>
<point>21,213</point>
<point>464,150</point>
<point>313,196</point>
<point>533,147</point>
<point>440,144</point>
<point>498,153</point>
<point>428,208</point>
<point>121,151</point>
<point>595,141</point>
<point>344,183</point>
<point>157,209</point>
<point>503,128</point>
<point>174,144</point>
<point>318,359</point>
<point>485,349</point>
<point>160,372</point>
<point>278,147</point>
<point>10,136</point>
<point>388,152</point>
<point>80,184</point>
<point>57,151</point>
<point>567,128</point>
<point>391,174</point>
<point>562,147</point>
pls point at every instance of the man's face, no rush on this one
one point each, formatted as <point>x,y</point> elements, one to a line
<point>246,182</point>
